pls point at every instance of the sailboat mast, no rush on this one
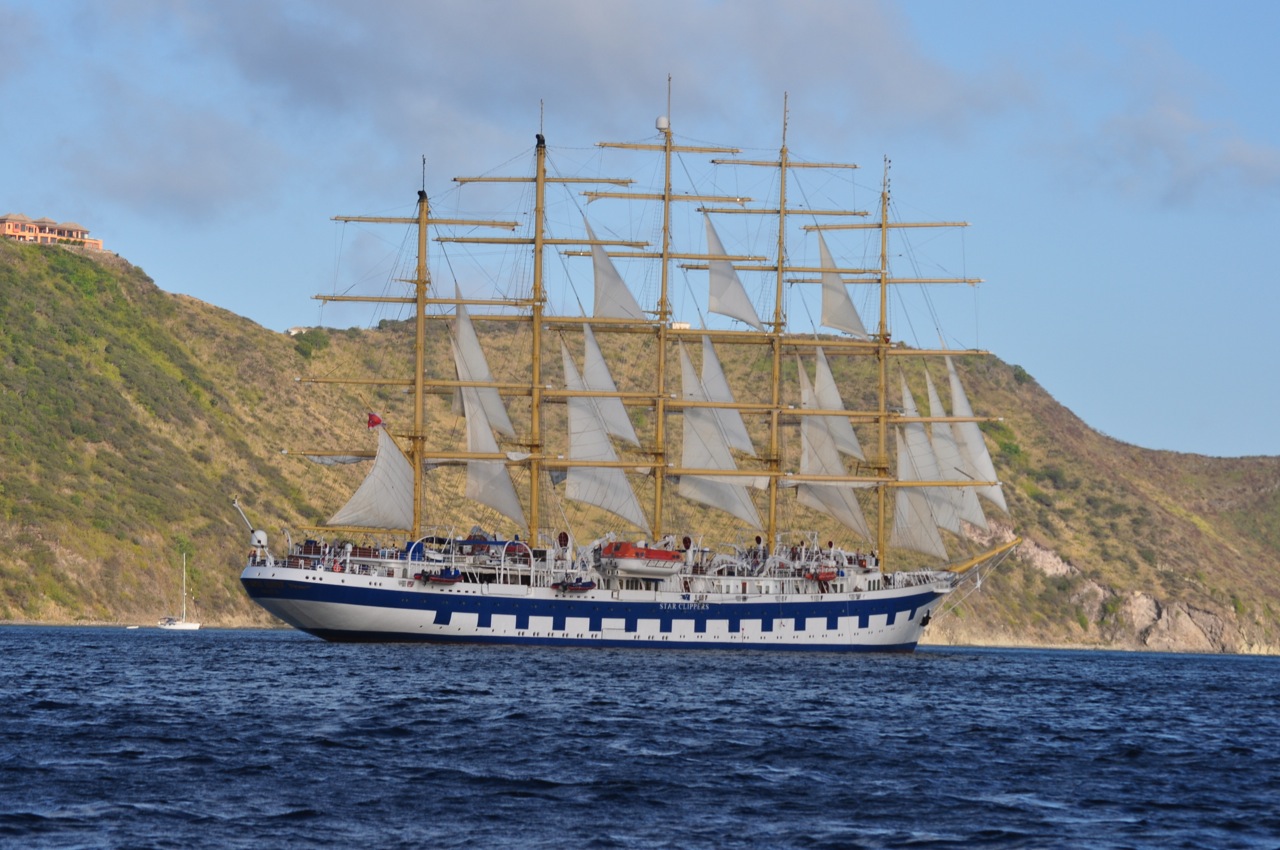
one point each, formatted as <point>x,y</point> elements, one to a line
<point>421,283</point>
<point>663,319</point>
<point>417,438</point>
<point>882,363</point>
<point>774,459</point>
<point>776,334</point>
<point>538,305</point>
<point>661,323</point>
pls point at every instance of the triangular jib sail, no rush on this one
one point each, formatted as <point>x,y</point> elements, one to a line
<point>705,447</point>
<point>727,296</point>
<point>819,456</point>
<point>469,358</point>
<point>952,464</point>
<point>716,388</point>
<point>604,487</point>
<point>385,498</point>
<point>488,481</point>
<point>837,307</point>
<point>613,299</point>
<point>595,374</point>
<point>913,525</point>
<point>924,466</point>
<point>828,398</point>
<point>969,438</point>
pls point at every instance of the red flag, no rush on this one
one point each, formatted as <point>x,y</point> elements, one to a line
<point>374,420</point>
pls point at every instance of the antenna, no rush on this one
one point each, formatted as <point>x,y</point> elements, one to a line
<point>424,172</point>
<point>785,116</point>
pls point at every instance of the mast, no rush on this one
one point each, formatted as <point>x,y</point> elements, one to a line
<point>882,368</point>
<point>777,332</point>
<point>417,437</point>
<point>774,458</point>
<point>878,344</point>
<point>421,282</point>
<point>661,323</point>
<point>663,317</point>
<point>538,461</point>
<point>539,300</point>
<point>883,349</point>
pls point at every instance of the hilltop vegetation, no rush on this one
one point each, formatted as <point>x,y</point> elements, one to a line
<point>130,417</point>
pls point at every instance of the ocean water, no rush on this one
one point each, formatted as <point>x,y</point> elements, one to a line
<point>257,739</point>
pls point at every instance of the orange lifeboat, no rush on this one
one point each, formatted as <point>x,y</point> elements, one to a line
<point>646,561</point>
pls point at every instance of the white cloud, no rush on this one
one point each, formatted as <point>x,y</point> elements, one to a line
<point>1159,142</point>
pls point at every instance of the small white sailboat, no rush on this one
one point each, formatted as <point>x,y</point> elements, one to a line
<point>176,623</point>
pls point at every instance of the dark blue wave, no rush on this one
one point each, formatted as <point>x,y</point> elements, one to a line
<point>149,739</point>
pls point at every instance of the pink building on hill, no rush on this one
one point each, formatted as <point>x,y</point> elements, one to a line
<point>45,231</point>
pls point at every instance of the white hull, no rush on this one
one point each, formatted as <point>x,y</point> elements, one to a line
<point>345,606</point>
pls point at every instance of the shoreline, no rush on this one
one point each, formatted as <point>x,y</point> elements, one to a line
<point>994,643</point>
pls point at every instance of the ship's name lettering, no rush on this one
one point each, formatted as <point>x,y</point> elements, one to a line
<point>683,606</point>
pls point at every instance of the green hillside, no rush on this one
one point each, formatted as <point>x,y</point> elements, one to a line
<point>130,417</point>
<point>128,421</point>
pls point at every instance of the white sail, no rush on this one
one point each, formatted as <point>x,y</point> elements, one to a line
<point>728,297</point>
<point>716,387</point>
<point>604,487</point>
<point>969,438</point>
<point>488,481</point>
<point>837,307</point>
<point>613,299</point>
<point>385,497</point>
<point>819,456</point>
<point>705,448</point>
<point>951,462</point>
<point>913,527</point>
<point>925,465</point>
<point>468,356</point>
<point>595,374</point>
<point>828,398</point>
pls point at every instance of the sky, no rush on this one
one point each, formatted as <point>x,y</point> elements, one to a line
<point>1119,163</point>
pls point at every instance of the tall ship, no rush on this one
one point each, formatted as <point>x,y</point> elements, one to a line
<point>617,480</point>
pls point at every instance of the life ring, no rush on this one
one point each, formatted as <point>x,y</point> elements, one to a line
<point>337,568</point>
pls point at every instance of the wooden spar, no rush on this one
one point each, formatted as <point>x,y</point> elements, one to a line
<point>966,565</point>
